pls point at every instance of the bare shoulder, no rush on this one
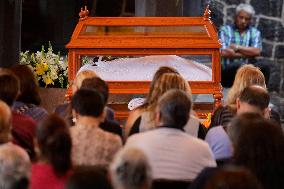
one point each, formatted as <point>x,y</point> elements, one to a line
<point>133,115</point>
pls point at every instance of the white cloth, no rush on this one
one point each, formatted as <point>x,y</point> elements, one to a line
<point>144,68</point>
<point>172,153</point>
<point>135,102</point>
<point>219,143</point>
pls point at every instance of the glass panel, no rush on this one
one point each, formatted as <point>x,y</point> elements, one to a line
<point>143,68</point>
<point>198,30</point>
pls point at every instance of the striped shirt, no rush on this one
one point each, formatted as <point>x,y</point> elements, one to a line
<point>229,34</point>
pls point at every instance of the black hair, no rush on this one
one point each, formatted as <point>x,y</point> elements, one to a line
<point>55,143</point>
<point>10,86</point>
<point>232,177</point>
<point>259,146</point>
<point>97,84</point>
<point>256,96</point>
<point>88,102</point>
<point>29,91</point>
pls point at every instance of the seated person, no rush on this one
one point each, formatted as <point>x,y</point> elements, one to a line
<point>23,126</point>
<point>258,146</point>
<point>172,153</point>
<point>54,165</point>
<point>252,99</point>
<point>241,43</point>
<point>227,177</point>
<point>101,86</point>
<point>91,144</point>
<point>89,177</point>
<point>138,106</point>
<point>166,82</point>
<point>28,100</point>
<point>130,169</point>
<point>14,167</point>
<point>64,110</point>
<point>89,80</point>
<point>246,75</point>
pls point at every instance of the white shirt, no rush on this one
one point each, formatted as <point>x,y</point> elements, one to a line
<point>191,127</point>
<point>172,153</point>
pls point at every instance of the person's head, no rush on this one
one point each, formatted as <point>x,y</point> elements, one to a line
<point>254,98</point>
<point>130,169</point>
<point>162,70</point>
<point>242,120</point>
<point>54,142</point>
<point>14,167</point>
<point>88,102</point>
<point>29,87</point>
<point>164,83</point>
<point>258,145</point>
<point>232,177</point>
<point>246,75</point>
<point>10,86</point>
<point>89,177</point>
<point>244,14</point>
<point>80,78</point>
<point>173,108</point>
<point>97,84</point>
<point>5,123</point>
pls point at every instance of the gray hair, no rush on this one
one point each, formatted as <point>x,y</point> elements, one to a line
<point>174,108</point>
<point>245,7</point>
<point>130,170</point>
<point>14,167</point>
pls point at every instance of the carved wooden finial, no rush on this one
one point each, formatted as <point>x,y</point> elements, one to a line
<point>207,13</point>
<point>84,13</point>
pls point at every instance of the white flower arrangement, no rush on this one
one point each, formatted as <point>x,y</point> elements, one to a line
<point>51,70</point>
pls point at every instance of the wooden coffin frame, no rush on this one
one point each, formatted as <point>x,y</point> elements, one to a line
<point>82,45</point>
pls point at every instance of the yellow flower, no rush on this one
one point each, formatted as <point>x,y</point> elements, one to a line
<point>47,80</point>
<point>41,68</point>
<point>207,122</point>
<point>45,66</point>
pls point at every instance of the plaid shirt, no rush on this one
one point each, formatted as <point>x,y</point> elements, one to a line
<point>229,34</point>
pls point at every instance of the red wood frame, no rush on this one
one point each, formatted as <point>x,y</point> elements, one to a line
<point>82,45</point>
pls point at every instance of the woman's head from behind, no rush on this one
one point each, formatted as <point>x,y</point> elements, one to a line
<point>164,83</point>
<point>29,91</point>
<point>258,146</point>
<point>162,70</point>
<point>246,75</point>
<point>55,144</point>
<point>89,177</point>
<point>80,77</point>
<point>232,177</point>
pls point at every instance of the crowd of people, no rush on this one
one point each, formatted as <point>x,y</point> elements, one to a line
<point>162,145</point>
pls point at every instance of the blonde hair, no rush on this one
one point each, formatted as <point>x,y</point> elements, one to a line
<point>164,83</point>
<point>246,75</point>
<point>81,76</point>
<point>158,74</point>
<point>5,123</point>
